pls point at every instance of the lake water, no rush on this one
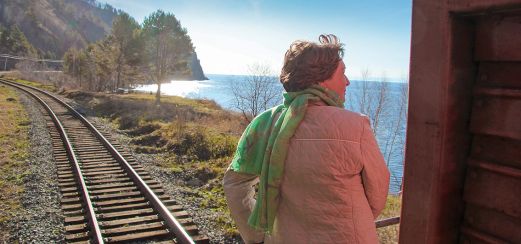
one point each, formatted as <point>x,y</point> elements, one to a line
<point>390,131</point>
<point>217,88</point>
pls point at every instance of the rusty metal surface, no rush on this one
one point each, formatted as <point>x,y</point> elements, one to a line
<point>493,189</point>
<point>451,91</point>
<point>496,168</point>
<point>497,115</point>
<point>497,92</point>
<point>493,182</point>
<point>499,74</point>
<point>498,38</point>
<point>423,95</point>
<point>473,236</point>
<point>484,6</point>
<point>502,151</point>
<point>442,74</point>
<point>491,221</point>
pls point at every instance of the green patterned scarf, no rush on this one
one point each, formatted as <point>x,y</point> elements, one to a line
<point>262,148</point>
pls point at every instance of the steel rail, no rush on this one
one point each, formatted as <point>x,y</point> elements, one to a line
<point>387,222</point>
<point>91,216</point>
<point>174,225</point>
<point>164,213</point>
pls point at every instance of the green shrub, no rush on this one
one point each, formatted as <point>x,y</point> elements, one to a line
<point>200,144</point>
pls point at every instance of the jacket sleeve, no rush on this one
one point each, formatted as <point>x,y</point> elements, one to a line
<point>375,175</point>
<point>239,192</point>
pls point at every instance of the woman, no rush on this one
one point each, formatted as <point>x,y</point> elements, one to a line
<point>321,175</point>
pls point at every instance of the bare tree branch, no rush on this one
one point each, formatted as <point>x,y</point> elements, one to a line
<point>259,92</point>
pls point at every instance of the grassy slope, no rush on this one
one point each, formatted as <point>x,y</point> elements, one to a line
<point>14,147</point>
<point>212,193</point>
<point>196,138</point>
<point>37,85</point>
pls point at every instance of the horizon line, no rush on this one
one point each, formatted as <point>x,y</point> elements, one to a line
<point>372,79</point>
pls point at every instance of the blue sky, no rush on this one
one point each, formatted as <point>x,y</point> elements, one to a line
<point>229,35</point>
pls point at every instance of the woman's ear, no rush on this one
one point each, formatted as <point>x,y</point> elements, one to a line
<point>337,82</point>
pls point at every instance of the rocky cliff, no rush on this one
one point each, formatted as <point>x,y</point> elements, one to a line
<point>197,70</point>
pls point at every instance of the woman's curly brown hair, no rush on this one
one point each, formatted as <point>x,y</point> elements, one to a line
<point>309,63</point>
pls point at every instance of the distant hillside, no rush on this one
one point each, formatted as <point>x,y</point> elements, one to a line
<point>53,26</point>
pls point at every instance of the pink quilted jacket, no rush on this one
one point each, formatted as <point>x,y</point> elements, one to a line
<point>334,186</point>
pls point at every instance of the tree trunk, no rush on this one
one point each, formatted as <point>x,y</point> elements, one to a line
<point>158,93</point>
<point>118,77</point>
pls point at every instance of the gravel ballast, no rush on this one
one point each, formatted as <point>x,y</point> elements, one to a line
<point>41,218</point>
<point>173,185</point>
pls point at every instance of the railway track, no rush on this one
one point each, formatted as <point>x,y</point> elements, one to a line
<point>106,195</point>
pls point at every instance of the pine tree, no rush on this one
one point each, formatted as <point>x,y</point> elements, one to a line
<point>102,52</point>
<point>13,41</point>
<point>167,47</point>
<point>127,46</point>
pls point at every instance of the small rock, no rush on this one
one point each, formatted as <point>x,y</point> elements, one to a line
<point>194,182</point>
<point>40,211</point>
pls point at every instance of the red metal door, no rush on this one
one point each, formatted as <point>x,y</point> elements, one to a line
<point>462,177</point>
<point>492,192</point>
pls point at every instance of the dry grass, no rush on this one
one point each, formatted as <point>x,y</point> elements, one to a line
<point>50,88</point>
<point>178,122</point>
<point>16,77</point>
<point>14,147</point>
<point>201,105</point>
<point>197,138</point>
<point>393,207</point>
<point>133,110</point>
